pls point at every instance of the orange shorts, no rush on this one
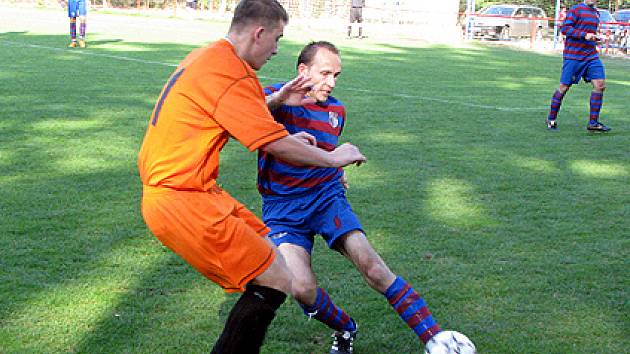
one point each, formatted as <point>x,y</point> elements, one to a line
<point>211,231</point>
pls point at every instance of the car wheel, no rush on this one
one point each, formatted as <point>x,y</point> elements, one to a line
<point>506,33</point>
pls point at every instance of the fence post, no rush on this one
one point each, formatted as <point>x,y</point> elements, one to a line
<point>532,31</point>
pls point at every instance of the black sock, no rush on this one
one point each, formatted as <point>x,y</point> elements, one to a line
<point>247,323</point>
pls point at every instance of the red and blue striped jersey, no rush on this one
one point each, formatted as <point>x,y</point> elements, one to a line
<point>581,19</point>
<point>325,122</point>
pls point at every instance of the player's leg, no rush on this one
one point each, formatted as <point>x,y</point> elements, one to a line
<point>353,18</point>
<point>82,28</point>
<point>72,15</point>
<point>350,29</point>
<point>304,284</point>
<point>83,22</point>
<point>556,102</point>
<point>402,297</point>
<point>292,229</point>
<point>567,78</point>
<point>315,301</point>
<point>247,323</point>
<point>250,317</point>
<point>357,248</point>
<point>595,73</point>
<point>360,22</point>
<point>73,32</point>
<point>223,241</point>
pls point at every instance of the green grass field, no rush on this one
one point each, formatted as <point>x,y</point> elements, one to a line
<point>515,236</point>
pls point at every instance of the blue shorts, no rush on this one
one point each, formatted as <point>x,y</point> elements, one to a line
<point>325,212</point>
<point>574,70</point>
<point>77,8</point>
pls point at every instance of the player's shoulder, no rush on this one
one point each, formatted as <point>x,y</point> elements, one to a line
<point>576,7</point>
<point>333,101</point>
<point>220,59</point>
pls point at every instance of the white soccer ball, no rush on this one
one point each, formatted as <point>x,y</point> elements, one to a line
<point>449,342</point>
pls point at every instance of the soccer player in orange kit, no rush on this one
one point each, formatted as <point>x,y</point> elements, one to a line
<point>214,94</point>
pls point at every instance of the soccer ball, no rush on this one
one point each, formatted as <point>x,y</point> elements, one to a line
<point>449,342</point>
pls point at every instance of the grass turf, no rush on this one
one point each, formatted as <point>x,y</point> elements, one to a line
<point>516,236</point>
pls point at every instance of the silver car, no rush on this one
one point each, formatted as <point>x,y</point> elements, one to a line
<point>510,21</point>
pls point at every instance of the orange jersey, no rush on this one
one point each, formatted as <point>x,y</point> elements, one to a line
<point>212,95</point>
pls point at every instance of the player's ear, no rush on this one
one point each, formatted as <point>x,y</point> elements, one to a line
<point>258,32</point>
<point>302,68</point>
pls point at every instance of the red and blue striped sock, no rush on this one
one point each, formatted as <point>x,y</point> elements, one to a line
<point>556,101</point>
<point>82,30</point>
<point>73,29</point>
<point>597,98</point>
<point>412,309</point>
<point>325,311</point>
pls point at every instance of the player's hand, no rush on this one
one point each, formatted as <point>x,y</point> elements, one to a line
<point>294,92</point>
<point>344,180</point>
<point>306,138</point>
<point>347,154</point>
<point>592,37</point>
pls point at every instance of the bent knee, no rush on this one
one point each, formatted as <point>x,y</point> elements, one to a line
<point>378,275</point>
<point>304,291</point>
<point>277,276</point>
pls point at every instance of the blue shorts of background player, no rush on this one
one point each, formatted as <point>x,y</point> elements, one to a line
<point>575,70</point>
<point>297,220</point>
<point>77,8</point>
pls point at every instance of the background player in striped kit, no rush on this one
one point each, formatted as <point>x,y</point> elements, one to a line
<point>299,202</point>
<point>77,8</point>
<point>581,60</point>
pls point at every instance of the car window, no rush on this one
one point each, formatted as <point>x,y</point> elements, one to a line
<point>498,10</point>
<point>538,13</point>
<point>622,16</point>
<point>605,16</point>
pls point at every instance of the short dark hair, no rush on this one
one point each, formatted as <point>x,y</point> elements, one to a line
<point>308,52</point>
<point>258,12</point>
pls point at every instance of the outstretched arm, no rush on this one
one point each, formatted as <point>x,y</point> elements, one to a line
<point>294,149</point>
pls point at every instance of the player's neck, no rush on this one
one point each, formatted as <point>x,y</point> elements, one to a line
<point>240,44</point>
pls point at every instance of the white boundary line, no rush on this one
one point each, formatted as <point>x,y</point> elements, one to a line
<point>81,52</point>
<point>466,104</point>
<point>379,93</point>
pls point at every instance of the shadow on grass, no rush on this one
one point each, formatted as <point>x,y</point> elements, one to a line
<point>482,207</point>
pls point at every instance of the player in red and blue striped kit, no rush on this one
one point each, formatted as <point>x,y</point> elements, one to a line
<point>300,202</point>
<point>77,8</point>
<point>581,61</point>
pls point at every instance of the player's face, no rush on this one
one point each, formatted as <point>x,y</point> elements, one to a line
<point>266,44</point>
<point>324,70</point>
